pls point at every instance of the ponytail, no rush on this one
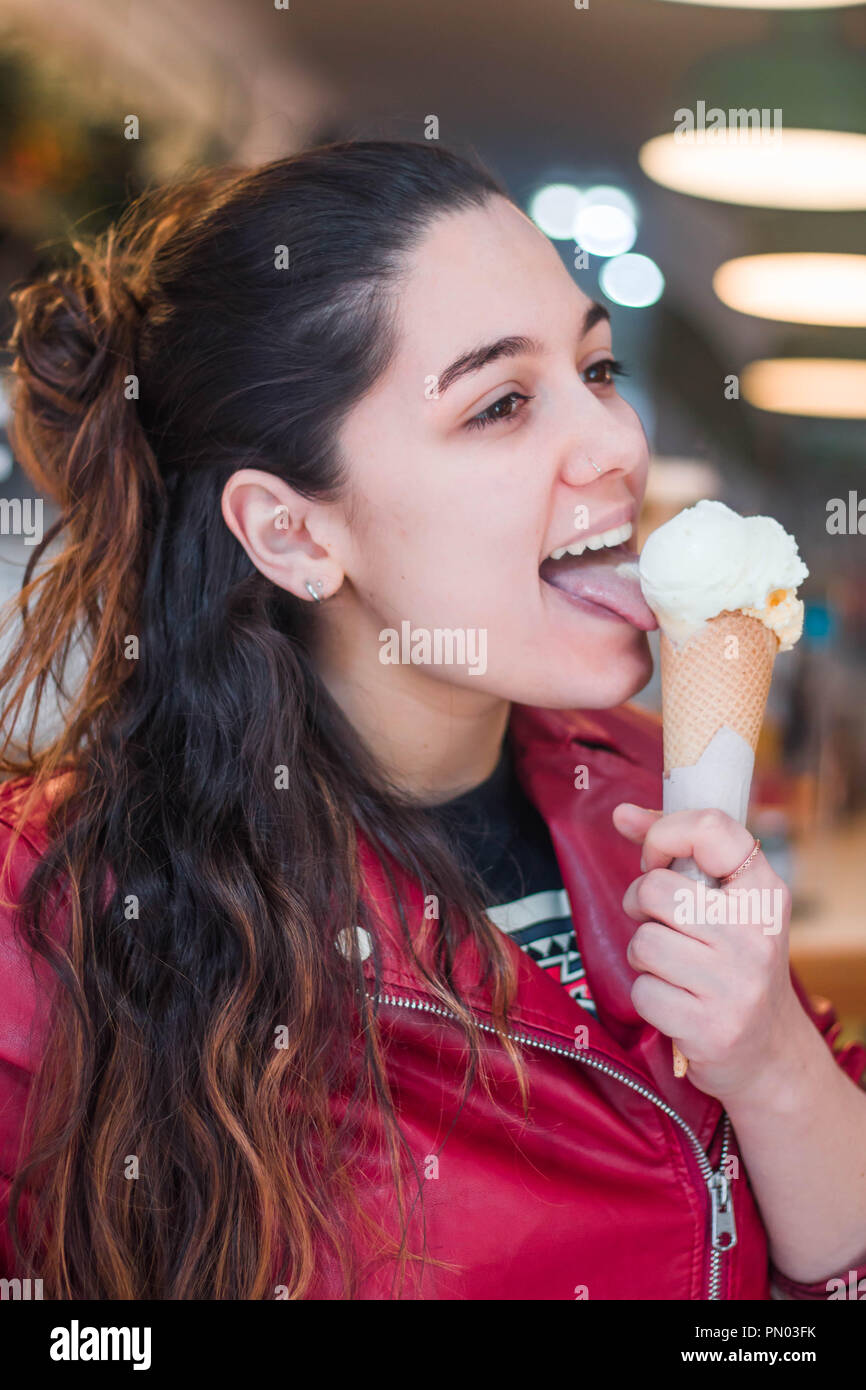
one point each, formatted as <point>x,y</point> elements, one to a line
<point>76,432</point>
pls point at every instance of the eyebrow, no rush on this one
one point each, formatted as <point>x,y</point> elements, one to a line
<point>479,357</point>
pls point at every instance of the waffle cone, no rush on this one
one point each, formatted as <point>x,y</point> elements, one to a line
<point>712,681</point>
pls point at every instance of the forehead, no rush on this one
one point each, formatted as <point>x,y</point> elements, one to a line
<point>479,275</point>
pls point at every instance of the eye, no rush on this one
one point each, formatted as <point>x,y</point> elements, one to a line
<point>602,373</point>
<point>506,408</point>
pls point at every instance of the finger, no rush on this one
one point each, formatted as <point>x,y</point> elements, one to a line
<point>655,949</point>
<point>667,897</point>
<point>633,822</point>
<point>674,1011</point>
<point>651,895</point>
<point>717,843</point>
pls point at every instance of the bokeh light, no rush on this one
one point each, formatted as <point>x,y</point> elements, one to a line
<point>554,210</point>
<point>821,170</point>
<point>606,223</point>
<point>796,287</point>
<point>833,388</point>
<point>632,280</point>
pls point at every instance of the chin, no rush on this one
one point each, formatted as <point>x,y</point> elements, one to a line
<point>626,673</point>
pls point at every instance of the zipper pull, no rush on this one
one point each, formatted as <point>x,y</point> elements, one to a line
<point>724,1227</point>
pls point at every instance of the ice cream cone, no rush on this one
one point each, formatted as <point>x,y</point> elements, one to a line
<point>723,588</point>
<point>719,679</point>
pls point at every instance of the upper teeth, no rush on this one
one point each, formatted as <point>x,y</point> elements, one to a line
<point>615,536</point>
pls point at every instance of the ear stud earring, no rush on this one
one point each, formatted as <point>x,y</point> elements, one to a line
<point>311,590</point>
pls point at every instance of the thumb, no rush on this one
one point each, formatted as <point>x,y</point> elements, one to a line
<point>633,822</point>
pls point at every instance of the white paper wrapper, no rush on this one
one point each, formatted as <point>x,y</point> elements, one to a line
<point>720,779</point>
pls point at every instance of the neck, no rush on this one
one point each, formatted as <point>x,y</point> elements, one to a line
<point>433,738</point>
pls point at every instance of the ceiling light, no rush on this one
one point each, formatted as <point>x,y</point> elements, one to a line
<point>808,169</point>
<point>796,287</point>
<point>833,388</point>
<point>770,4</point>
<point>779,123</point>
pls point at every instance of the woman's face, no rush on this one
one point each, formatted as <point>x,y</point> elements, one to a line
<point>469,464</point>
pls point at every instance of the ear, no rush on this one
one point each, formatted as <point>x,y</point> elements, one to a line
<point>291,539</point>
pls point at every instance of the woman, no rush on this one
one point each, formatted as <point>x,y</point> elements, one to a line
<point>315,431</point>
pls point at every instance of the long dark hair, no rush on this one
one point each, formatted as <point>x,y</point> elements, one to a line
<point>202,894</point>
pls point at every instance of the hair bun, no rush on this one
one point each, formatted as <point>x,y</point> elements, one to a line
<point>76,333</point>
<point>74,342</point>
<point>75,328</point>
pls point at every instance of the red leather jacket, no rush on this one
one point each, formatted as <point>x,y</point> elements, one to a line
<point>624,1182</point>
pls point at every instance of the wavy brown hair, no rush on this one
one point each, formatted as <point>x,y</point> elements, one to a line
<point>200,898</point>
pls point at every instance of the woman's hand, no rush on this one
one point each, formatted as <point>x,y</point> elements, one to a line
<point>712,963</point>
<point>722,990</point>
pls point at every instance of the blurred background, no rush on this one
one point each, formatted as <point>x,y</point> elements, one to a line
<point>701,168</point>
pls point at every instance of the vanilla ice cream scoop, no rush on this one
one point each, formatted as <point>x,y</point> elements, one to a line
<point>709,560</point>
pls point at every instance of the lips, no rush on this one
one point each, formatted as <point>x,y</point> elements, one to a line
<point>606,579</point>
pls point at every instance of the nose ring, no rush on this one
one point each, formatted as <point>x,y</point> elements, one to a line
<point>595,466</point>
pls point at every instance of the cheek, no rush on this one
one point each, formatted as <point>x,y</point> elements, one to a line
<point>475,532</point>
<point>437,559</point>
<point>448,540</point>
<point>638,475</point>
<point>638,480</point>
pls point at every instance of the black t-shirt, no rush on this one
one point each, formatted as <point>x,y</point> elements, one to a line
<point>496,827</point>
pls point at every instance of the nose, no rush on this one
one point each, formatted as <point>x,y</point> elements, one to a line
<point>603,444</point>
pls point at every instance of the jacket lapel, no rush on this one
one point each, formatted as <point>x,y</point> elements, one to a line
<point>614,756</point>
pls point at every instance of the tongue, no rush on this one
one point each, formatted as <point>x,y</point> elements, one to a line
<point>607,577</point>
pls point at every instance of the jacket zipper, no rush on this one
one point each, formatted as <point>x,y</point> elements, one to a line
<point>723,1229</point>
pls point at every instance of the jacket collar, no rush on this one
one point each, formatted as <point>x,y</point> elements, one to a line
<point>574,766</point>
